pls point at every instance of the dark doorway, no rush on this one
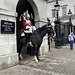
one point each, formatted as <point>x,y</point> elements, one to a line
<point>22,6</point>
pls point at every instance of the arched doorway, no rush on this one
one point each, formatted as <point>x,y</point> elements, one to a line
<point>22,6</point>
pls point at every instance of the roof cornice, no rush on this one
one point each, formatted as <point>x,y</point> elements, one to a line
<point>50,1</point>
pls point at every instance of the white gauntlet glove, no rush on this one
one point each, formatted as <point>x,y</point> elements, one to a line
<point>27,27</point>
<point>34,28</point>
<point>24,18</point>
<point>30,28</point>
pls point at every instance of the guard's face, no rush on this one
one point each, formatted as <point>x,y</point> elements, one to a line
<point>72,33</point>
<point>28,18</point>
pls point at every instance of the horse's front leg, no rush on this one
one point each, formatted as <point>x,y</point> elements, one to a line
<point>36,54</point>
<point>19,53</point>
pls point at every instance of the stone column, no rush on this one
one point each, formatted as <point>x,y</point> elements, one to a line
<point>8,45</point>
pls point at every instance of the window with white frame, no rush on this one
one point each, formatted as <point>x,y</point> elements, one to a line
<point>64,11</point>
<point>53,12</point>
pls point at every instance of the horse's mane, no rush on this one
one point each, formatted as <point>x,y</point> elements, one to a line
<point>41,28</point>
<point>40,31</point>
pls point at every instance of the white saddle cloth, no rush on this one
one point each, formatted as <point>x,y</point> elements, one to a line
<point>22,34</point>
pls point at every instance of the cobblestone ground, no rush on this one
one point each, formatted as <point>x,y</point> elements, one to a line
<point>57,62</point>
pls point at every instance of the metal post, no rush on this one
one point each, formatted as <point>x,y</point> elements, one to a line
<point>57,25</point>
<point>57,30</point>
<point>70,24</point>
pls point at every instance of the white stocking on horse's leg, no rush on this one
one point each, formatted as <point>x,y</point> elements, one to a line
<point>35,54</point>
<point>38,53</point>
<point>20,55</point>
<point>35,58</point>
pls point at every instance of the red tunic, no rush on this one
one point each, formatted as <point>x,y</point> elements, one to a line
<point>24,24</point>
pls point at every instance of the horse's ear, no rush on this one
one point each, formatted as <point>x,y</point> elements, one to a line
<point>49,25</point>
<point>48,19</point>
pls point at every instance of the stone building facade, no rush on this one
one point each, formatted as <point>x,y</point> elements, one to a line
<point>9,11</point>
<point>8,42</point>
<point>65,5</point>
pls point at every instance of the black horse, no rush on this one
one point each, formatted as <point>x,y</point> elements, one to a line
<point>36,39</point>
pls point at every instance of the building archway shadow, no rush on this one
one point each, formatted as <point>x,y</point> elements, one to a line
<point>22,6</point>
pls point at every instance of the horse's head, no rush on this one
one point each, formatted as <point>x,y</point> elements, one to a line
<point>49,28</point>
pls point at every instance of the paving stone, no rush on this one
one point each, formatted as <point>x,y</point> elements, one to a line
<point>57,62</point>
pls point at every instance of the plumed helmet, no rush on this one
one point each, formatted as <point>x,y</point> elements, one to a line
<point>28,15</point>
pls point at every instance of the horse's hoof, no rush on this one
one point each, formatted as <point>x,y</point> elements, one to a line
<point>20,58</point>
<point>36,62</point>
